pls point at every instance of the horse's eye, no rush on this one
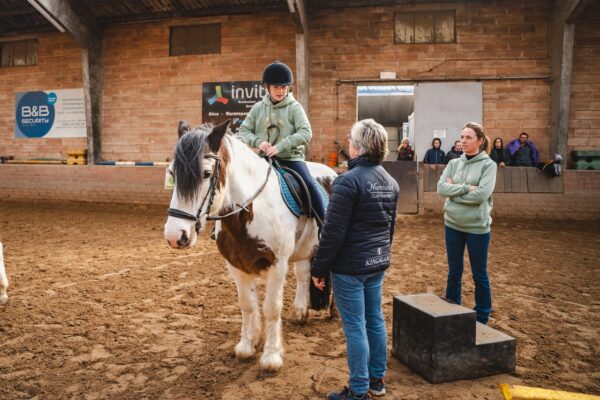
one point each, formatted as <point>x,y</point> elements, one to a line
<point>206,174</point>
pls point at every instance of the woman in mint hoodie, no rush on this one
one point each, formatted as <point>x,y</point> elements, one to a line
<point>277,126</point>
<point>467,183</point>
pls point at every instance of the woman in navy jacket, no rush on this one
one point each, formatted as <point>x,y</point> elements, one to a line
<point>435,155</point>
<point>355,248</point>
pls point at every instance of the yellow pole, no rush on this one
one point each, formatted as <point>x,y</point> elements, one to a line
<point>516,392</point>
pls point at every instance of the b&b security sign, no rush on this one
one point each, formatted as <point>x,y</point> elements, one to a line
<point>50,114</point>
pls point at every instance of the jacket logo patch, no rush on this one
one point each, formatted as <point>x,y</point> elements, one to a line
<point>380,190</point>
<point>377,260</point>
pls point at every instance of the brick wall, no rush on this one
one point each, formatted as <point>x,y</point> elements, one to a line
<point>58,67</point>
<point>582,182</point>
<point>583,206</point>
<point>493,39</point>
<point>584,118</point>
<point>573,195</point>
<point>146,92</point>
<point>144,185</point>
<point>89,183</point>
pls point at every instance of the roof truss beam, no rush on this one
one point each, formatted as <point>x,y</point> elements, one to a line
<point>298,10</point>
<point>64,18</point>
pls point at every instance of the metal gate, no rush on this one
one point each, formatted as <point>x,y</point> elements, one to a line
<point>405,173</point>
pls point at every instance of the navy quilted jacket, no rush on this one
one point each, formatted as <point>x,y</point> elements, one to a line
<point>359,224</point>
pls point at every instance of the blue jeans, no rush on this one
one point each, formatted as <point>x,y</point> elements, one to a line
<point>477,244</point>
<point>358,298</point>
<point>315,195</point>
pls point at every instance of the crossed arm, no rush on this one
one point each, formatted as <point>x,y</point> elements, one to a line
<point>468,194</point>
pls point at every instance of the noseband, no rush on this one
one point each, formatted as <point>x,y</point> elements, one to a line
<point>210,195</point>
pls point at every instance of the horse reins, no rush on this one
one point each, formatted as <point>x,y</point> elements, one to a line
<point>210,195</point>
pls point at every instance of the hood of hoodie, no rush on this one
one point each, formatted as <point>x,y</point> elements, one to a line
<point>479,157</point>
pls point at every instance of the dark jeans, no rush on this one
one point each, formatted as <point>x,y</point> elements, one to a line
<point>477,244</point>
<point>315,195</point>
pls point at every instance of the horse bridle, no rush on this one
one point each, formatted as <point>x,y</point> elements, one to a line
<point>210,195</point>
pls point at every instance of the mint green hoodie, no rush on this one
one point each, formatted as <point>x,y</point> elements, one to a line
<point>291,121</point>
<point>468,211</point>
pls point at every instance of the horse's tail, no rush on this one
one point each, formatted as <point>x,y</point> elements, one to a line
<point>319,299</point>
<point>326,182</point>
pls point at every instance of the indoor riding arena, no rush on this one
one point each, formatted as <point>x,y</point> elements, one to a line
<point>100,306</point>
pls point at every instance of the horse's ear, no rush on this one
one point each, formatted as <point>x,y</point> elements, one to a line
<point>215,137</point>
<point>183,128</point>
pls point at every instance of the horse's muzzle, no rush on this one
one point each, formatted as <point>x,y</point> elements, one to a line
<point>179,241</point>
<point>184,241</point>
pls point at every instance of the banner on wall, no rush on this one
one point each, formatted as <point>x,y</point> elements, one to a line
<point>230,100</point>
<point>50,114</point>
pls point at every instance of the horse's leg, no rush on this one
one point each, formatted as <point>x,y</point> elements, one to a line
<point>3,278</point>
<point>333,312</point>
<point>271,357</point>
<point>302,291</point>
<point>248,300</point>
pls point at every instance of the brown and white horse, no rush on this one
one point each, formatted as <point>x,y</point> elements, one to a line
<point>218,177</point>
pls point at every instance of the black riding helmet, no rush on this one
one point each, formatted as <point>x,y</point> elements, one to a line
<point>277,73</point>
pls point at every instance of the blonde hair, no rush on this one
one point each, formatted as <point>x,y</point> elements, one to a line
<point>480,132</point>
<point>405,140</point>
<point>371,139</point>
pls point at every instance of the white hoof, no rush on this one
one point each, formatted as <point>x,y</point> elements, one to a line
<point>300,314</point>
<point>244,350</point>
<point>3,298</point>
<point>271,361</point>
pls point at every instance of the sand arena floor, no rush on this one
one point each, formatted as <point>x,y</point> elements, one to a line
<point>101,308</point>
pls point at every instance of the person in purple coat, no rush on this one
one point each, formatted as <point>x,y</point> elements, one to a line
<point>523,152</point>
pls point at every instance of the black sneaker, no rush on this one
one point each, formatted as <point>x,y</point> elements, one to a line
<point>376,386</point>
<point>347,394</point>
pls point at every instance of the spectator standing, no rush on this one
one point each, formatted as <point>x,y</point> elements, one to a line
<point>523,152</point>
<point>355,248</point>
<point>405,152</point>
<point>455,152</point>
<point>499,154</point>
<point>435,155</point>
<point>467,183</point>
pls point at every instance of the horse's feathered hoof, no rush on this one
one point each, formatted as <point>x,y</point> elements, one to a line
<point>271,361</point>
<point>3,298</point>
<point>300,315</point>
<point>244,350</point>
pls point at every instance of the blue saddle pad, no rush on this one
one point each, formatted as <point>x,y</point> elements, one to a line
<point>289,199</point>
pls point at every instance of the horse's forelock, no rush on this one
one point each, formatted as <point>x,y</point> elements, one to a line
<point>187,162</point>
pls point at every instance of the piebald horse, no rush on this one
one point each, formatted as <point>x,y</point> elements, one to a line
<point>217,177</point>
